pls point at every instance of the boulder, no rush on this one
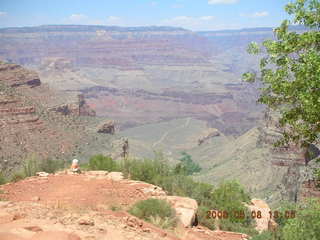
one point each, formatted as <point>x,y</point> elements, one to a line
<point>265,222</point>
<point>55,235</point>
<point>107,127</point>
<point>15,75</point>
<point>186,209</point>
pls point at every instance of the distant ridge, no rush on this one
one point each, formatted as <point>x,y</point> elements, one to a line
<point>248,30</point>
<point>88,28</point>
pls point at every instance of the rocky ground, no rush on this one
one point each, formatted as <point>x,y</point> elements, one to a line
<point>64,206</point>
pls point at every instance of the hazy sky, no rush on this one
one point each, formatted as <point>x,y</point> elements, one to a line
<point>191,14</point>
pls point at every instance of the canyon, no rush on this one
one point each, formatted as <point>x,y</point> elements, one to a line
<point>164,88</point>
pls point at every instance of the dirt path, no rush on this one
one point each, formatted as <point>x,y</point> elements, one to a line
<point>165,135</point>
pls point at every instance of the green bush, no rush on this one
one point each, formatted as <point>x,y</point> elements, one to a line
<point>186,166</point>
<point>147,169</point>
<point>30,166</point>
<point>227,225</point>
<point>51,166</point>
<point>18,176</point>
<point>283,208</point>
<point>230,196</point>
<point>316,174</point>
<point>3,179</point>
<point>306,224</point>
<point>203,217</point>
<point>101,162</point>
<point>155,210</point>
<point>267,235</point>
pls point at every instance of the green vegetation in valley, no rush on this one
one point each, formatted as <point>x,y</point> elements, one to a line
<point>186,166</point>
<point>156,211</point>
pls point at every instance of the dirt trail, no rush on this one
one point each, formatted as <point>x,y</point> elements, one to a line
<point>164,136</point>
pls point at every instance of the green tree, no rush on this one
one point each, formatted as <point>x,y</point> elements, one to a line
<point>230,196</point>
<point>186,166</point>
<point>290,73</point>
<point>306,225</point>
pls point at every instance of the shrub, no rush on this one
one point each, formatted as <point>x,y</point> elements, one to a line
<point>3,179</point>
<point>267,235</point>
<point>147,169</point>
<point>203,219</point>
<point>227,225</point>
<point>186,166</point>
<point>100,162</point>
<point>306,225</point>
<point>155,211</point>
<point>17,177</point>
<point>51,166</point>
<point>230,196</point>
<point>316,174</point>
<point>164,223</point>
<point>283,208</point>
<point>30,166</point>
<point>115,208</point>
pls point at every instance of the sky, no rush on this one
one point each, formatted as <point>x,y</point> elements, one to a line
<point>191,14</point>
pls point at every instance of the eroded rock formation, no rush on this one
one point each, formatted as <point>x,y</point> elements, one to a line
<point>79,108</point>
<point>293,157</point>
<point>26,127</point>
<point>108,127</point>
<point>211,132</point>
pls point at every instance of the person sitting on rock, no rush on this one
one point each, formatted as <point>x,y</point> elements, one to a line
<point>75,166</point>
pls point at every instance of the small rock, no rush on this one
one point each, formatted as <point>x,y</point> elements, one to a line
<point>87,222</point>
<point>4,204</point>
<point>36,198</point>
<point>42,174</point>
<point>163,234</point>
<point>18,216</point>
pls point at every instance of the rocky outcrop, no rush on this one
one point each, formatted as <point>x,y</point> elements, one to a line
<point>265,222</point>
<point>108,127</point>
<point>293,158</point>
<point>26,127</point>
<point>84,109</point>
<point>80,108</point>
<point>14,76</point>
<point>55,64</point>
<point>209,133</point>
<point>186,209</point>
